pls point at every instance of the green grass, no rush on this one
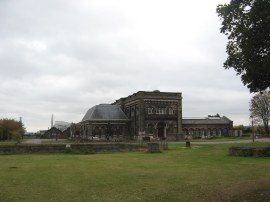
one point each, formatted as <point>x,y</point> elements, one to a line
<point>199,173</point>
<point>8,142</point>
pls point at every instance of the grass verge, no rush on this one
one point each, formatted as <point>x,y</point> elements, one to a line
<point>199,173</point>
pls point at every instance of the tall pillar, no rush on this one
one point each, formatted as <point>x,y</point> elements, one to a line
<point>141,115</point>
<point>90,130</point>
<point>84,130</point>
<point>179,116</point>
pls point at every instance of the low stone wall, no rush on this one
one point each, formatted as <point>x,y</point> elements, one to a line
<point>69,148</point>
<point>250,151</point>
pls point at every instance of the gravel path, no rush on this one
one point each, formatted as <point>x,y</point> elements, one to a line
<point>39,141</point>
<point>233,141</point>
<point>33,141</point>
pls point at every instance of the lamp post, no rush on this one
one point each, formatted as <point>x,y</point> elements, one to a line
<point>252,125</point>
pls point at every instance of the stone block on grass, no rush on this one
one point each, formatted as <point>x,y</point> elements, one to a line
<point>153,147</point>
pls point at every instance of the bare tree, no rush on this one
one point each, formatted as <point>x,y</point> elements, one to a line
<point>260,108</point>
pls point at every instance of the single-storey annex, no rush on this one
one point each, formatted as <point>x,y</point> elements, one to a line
<point>207,127</point>
<point>104,121</point>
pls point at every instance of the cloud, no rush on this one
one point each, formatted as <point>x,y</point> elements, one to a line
<point>63,57</point>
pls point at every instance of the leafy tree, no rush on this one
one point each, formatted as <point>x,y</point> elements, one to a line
<point>11,129</point>
<point>247,130</point>
<point>260,108</point>
<point>246,23</point>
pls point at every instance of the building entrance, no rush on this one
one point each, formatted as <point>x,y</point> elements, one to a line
<point>161,127</point>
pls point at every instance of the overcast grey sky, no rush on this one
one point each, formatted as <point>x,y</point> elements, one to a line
<point>64,56</point>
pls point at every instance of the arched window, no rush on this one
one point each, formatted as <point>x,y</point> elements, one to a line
<point>150,110</point>
<point>120,130</point>
<point>150,128</point>
<point>96,131</point>
<point>132,112</point>
<point>160,111</point>
<point>170,130</point>
<point>163,111</point>
<point>103,130</point>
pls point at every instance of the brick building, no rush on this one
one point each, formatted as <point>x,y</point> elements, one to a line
<point>147,113</point>
<point>157,114</point>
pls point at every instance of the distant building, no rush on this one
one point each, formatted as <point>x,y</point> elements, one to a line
<point>59,130</point>
<point>41,132</point>
<point>54,133</point>
<point>155,114</point>
<point>61,125</point>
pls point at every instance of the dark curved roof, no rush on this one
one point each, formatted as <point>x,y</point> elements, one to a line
<point>105,112</point>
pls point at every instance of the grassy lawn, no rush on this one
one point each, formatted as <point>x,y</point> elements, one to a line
<point>199,173</point>
<point>8,142</point>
